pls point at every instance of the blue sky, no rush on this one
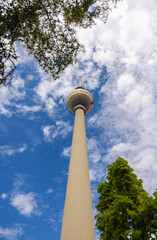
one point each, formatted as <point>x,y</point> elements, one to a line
<point>119,68</point>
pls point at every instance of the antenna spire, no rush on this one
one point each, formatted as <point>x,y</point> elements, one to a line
<point>80,80</point>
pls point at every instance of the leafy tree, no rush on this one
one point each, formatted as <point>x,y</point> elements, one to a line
<point>125,209</point>
<point>47,29</point>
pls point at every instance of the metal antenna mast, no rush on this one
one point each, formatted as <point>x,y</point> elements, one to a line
<point>80,80</point>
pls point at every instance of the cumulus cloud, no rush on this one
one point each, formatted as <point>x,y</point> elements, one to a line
<point>25,109</point>
<point>16,92</point>
<point>52,94</point>
<point>9,96</point>
<point>4,196</point>
<point>59,129</point>
<point>11,233</point>
<point>66,152</point>
<point>8,150</point>
<point>97,169</point>
<point>127,46</point>
<point>25,203</point>
<point>128,116</point>
<point>94,150</point>
<point>19,181</point>
<point>125,38</point>
<point>53,89</point>
<point>24,57</point>
<point>97,172</point>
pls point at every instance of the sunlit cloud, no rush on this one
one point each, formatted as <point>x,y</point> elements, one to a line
<point>10,95</point>
<point>4,196</point>
<point>8,150</point>
<point>25,203</point>
<point>11,233</point>
<point>127,46</point>
<point>66,152</point>
<point>59,129</point>
<point>49,191</point>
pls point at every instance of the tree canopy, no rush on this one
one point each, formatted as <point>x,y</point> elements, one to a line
<point>47,29</point>
<point>125,210</point>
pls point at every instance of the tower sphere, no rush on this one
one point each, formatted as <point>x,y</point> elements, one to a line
<point>80,96</point>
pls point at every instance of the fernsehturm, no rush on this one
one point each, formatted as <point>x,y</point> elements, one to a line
<point>78,216</point>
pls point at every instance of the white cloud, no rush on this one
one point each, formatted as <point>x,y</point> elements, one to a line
<point>48,88</point>
<point>13,94</point>
<point>125,83</point>
<point>66,152</point>
<point>126,38</point>
<point>95,157</point>
<point>127,46</point>
<point>22,149</point>
<point>90,75</point>
<point>97,172</point>
<point>25,203</point>
<point>133,114</point>
<point>7,150</point>
<point>11,233</point>
<point>59,129</point>
<point>27,109</point>
<point>4,196</point>
<point>52,222</point>
<point>53,93</point>
<point>94,150</point>
<point>19,181</point>
<point>10,95</point>
<point>49,191</point>
<point>24,57</point>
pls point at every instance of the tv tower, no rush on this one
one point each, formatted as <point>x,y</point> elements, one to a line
<point>78,216</point>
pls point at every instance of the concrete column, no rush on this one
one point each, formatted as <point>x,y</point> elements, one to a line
<point>78,216</point>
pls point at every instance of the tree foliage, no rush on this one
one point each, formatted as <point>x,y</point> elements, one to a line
<point>47,29</point>
<point>126,211</point>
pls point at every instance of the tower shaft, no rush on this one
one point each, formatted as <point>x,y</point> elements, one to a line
<point>78,217</point>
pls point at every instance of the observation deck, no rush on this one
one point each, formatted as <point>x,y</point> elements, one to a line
<point>80,96</point>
